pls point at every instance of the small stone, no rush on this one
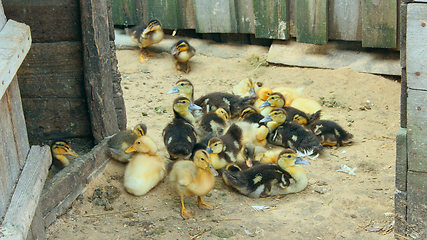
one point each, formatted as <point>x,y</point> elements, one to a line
<point>353,216</point>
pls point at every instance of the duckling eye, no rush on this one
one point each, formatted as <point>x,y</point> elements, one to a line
<point>182,84</point>
<point>202,159</point>
<point>139,142</point>
<point>289,156</point>
<point>268,94</point>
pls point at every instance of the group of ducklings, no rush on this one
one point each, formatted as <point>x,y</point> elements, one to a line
<point>147,35</point>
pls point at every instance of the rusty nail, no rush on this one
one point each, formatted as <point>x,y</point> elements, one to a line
<point>418,73</point>
<point>419,108</point>
<point>18,55</point>
<point>414,154</point>
<point>2,82</point>
<point>423,24</point>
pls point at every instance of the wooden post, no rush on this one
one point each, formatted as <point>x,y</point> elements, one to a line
<point>272,19</point>
<point>312,21</point>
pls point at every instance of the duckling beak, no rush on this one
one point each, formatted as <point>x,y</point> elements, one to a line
<point>175,51</point>
<point>265,104</point>
<point>72,153</point>
<point>173,90</point>
<point>147,30</point>
<point>302,161</point>
<point>212,170</point>
<point>266,119</point>
<point>194,107</point>
<point>130,149</point>
<point>249,162</point>
<point>252,92</point>
<point>209,150</point>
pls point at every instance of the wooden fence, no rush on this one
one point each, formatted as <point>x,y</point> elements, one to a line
<point>373,22</point>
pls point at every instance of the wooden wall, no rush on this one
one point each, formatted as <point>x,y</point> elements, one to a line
<point>372,22</point>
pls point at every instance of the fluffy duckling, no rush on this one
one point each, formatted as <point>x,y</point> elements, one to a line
<point>277,100</point>
<point>213,123</point>
<point>193,178</point>
<point>262,95</point>
<point>185,88</point>
<point>330,133</point>
<point>307,105</point>
<point>226,148</point>
<point>145,169</point>
<point>245,88</point>
<point>123,140</point>
<point>270,156</point>
<point>182,52</point>
<point>290,94</point>
<point>253,133</point>
<point>179,136</point>
<point>251,115</point>
<point>290,134</point>
<point>59,149</point>
<point>146,35</point>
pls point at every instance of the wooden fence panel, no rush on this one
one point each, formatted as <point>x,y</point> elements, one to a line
<point>186,14</point>
<point>215,16</point>
<point>166,11</point>
<point>345,20</point>
<point>126,12</point>
<point>311,21</point>
<point>245,16</point>
<point>271,19</point>
<point>379,23</point>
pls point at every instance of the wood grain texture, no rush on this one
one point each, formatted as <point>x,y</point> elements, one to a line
<point>166,11</point>
<point>245,16</point>
<point>97,72</point>
<point>417,124</point>
<point>345,20</point>
<point>37,229</point>
<point>379,23</point>
<point>50,21</point>
<point>2,16</point>
<point>416,201</point>
<point>15,41</point>
<point>215,16</point>
<point>28,190</point>
<point>401,159</point>
<point>126,12</point>
<point>271,19</point>
<point>311,21</point>
<point>53,70</point>
<point>416,46</point>
<point>186,14</point>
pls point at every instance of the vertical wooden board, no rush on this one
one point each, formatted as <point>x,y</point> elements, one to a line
<point>345,20</point>
<point>125,12</point>
<point>166,11</point>
<point>416,46</point>
<point>417,126</point>
<point>2,16</point>
<point>401,159</point>
<point>311,21</point>
<point>245,16</point>
<point>379,23</point>
<point>186,14</point>
<point>416,201</point>
<point>215,16</point>
<point>271,19</point>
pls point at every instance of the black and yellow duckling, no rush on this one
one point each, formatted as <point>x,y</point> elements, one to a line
<point>251,115</point>
<point>253,133</point>
<point>179,136</point>
<point>330,133</point>
<point>59,149</point>
<point>193,178</point>
<point>262,95</point>
<point>213,123</point>
<point>182,52</point>
<point>290,134</point>
<point>123,140</point>
<point>146,35</point>
<point>145,169</point>
<point>245,88</point>
<point>185,88</point>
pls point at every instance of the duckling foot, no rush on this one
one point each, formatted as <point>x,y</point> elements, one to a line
<point>184,213</point>
<point>204,205</point>
<point>142,59</point>
<point>326,143</point>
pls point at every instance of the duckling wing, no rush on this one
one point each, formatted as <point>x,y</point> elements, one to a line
<point>233,103</point>
<point>179,137</point>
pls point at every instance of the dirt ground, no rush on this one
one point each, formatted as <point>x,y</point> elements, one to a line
<point>335,205</point>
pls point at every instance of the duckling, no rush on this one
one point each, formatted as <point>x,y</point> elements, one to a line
<point>59,149</point>
<point>253,133</point>
<point>290,134</point>
<point>245,88</point>
<point>182,52</point>
<point>262,95</point>
<point>307,105</point>
<point>145,169</point>
<point>123,140</point>
<point>146,35</point>
<point>330,133</point>
<point>179,136</point>
<point>214,122</point>
<point>185,88</point>
<point>270,156</point>
<point>290,94</point>
<point>251,115</point>
<point>193,178</point>
<point>232,103</point>
<point>276,100</point>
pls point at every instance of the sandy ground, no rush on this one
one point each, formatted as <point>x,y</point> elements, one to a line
<point>335,205</point>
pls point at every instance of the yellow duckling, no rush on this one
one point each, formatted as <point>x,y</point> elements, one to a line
<point>193,178</point>
<point>275,100</point>
<point>290,94</point>
<point>245,88</point>
<point>123,140</point>
<point>182,52</point>
<point>253,133</point>
<point>262,95</point>
<point>146,35</point>
<point>307,105</point>
<point>145,169</point>
<point>59,149</point>
<point>185,88</point>
<point>270,156</point>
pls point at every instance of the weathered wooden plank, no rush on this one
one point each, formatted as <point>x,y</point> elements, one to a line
<point>18,122</point>
<point>402,33</point>
<point>416,201</point>
<point>379,23</point>
<point>2,17</point>
<point>37,230</point>
<point>15,41</point>
<point>311,21</point>
<point>97,72</point>
<point>271,19</point>
<point>401,159</point>
<point>400,207</point>
<point>416,46</point>
<point>345,20</point>
<point>245,16</point>
<point>50,21</point>
<point>54,70</point>
<point>166,11</point>
<point>61,190</point>
<point>125,12</point>
<point>186,14</point>
<point>215,16</point>
<point>27,192</point>
<point>119,102</point>
<point>417,125</point>
<point>50,118</point>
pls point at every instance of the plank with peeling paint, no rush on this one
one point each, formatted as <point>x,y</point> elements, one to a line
<point>215,16</point>
<point>271,19</point>
<point>311,21</point>
<point>345,20</point>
